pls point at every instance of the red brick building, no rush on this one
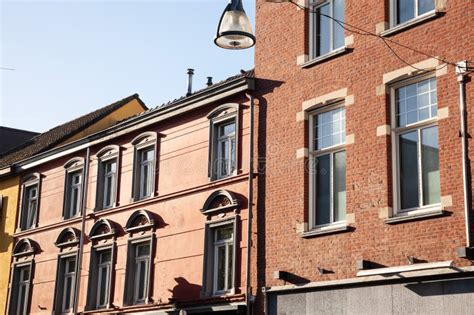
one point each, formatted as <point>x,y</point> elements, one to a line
<point>148,215</point>
<point>361,205</point>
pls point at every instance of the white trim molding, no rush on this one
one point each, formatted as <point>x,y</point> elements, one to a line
<point>406,268</point>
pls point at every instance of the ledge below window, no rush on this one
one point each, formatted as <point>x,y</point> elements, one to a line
<point>417,216</point>
<point>339,228</point>
<point>329,55</point>
<point>411,23</point>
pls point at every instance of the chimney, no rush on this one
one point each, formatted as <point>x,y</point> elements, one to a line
<point>209,81</point>
<point>190,81</point>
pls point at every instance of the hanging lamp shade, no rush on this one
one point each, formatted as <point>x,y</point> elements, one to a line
<point>234,30</point>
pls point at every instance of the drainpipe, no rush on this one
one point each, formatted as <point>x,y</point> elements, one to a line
<point>83,224</point>
<point>461,69</point>
<point>248,301</point>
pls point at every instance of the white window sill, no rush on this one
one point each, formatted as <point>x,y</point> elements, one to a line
<point>327,229</point>
<point>329,55</point>
<point>416,215</point>
<point>408,24</point>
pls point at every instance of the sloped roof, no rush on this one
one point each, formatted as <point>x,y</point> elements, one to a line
<point>59,134</point>
<point>243,74</point>
<point>12,137</point>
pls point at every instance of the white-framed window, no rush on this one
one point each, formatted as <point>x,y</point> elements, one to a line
<point>223,250</point>
<point>326,34</point>
<point>67,283</point>
<point>30,202</point>
<point>140,271</point>
<point>327,166</point>
<point>104,273</point>
<point>145,172</point>
<point>73,194</point>
<point>416,148</point>
<point>21,289</point>
<point>403,11</point>
<point>107,183</point>
<point>226,148</point>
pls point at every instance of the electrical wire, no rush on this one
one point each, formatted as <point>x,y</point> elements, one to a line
<point>360,31</point>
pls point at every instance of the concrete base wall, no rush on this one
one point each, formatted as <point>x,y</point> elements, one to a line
<point>437,297</point>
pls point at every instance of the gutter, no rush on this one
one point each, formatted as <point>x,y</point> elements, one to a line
<point>83,224</point>
<point>461,70</point>
<point>248,300</point>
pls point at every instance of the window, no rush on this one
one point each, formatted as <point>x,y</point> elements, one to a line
<point>146,160</point>
<point>326,33</point>
<point>328,163</point>
<point>139,273</point>
<point>30,201</point>
<point>223,141</point>
<point>406,10</point>
<point>416,136</point>
<point>219,258</point>
<point>21,289</point>
<point>66,283</point>
<point>104,269</point>
<point>223,259</point>
<point>107,184</point>
<point>225,155</point>
<point>73,194</point>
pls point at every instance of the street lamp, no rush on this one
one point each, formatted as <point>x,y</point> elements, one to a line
<point>234,30</point>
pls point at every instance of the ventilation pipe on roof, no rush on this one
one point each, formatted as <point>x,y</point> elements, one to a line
<point>209,81</point>
<point>190,81</point>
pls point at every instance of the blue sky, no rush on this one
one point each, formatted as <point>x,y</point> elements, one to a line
<point>71,57</point>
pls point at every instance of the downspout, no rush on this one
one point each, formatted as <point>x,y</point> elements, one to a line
<point>83,224</point>
<point>461,69</point>
<point>248,301</point>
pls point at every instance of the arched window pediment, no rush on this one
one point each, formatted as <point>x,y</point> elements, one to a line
<point>219,201</point>
<point>25,247</point>
<point>146,137</point>
<point>33,177</point>
<point>109,150</point>
<point>68,237</point>
<point>224,109</point>
<point>140,220</point>
<point>101,229</point>
<point>74,162</point>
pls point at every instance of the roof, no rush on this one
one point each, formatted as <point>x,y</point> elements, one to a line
<point>11,137</point>
<point>61,133</point>
<point>250,74</point>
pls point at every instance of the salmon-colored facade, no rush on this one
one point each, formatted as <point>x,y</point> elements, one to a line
<point>185,203</point>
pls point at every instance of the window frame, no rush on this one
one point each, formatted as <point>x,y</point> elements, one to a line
<point>130,293</point>
<point>313,6</point>
<point>94,278</point>
<point>394,14</point>
<point>209,265</point>
<point>109,154</point>
<point>28,182</point>
<point>395,133</point>
<point>58,305</point>
<point>75,165</point>
<point>14,303</point>
<point>222,115</point>
<point>142,143</point>
<point>313,154</point>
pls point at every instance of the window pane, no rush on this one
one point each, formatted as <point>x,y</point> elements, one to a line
<point>71,266</point>
<point>105,257</point>
<point>409,170</point>
<point>67,293</point>
<point>103,284</point>
<point>338,30</point>
<point>340,186</point>
<point>425,6</point>
<point>221,266</point>
<point>406,10</point>
<point>141,278</point>
<point>143,250</point>
<point>323,30</point>
<point>21,299</point>
<point>430,165</point>
<point>330,128</point>
<point>416,102</point>
<point>25,274</point>
<point>226,130</point>
<point>224,233</point>
<point>323,190</point>
<point>232,155</point>
<point>108,191</point>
